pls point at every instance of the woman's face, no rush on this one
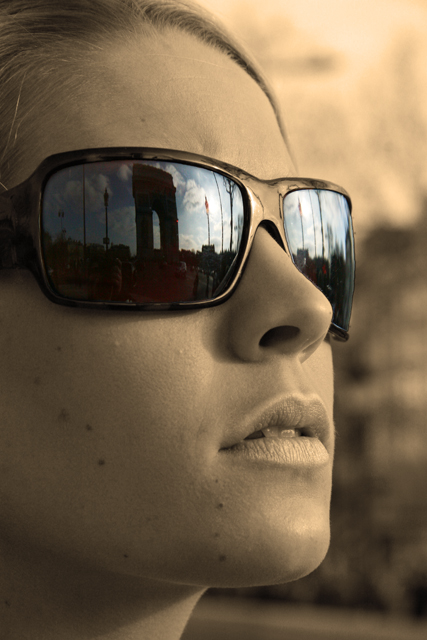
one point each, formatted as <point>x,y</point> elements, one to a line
<point>114,425</point>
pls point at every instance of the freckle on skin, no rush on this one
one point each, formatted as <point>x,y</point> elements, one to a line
<point>222,558</point>
<point>219,506</point>
<point>7,603</point>
<point>125,555</point>
<point>64,415</point>
<point>89,428</point>
<point>36,380</point>
<point>101,462</point>
<point>216,535</point>
<point>59,348</point>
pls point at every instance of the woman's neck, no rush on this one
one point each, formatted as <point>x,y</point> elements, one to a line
<point>44,599</point>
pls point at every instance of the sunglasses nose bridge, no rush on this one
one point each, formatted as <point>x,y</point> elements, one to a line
<point>267,211</point>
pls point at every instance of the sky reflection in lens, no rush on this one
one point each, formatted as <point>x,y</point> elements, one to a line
<point>319,234</point>
<point>155,220</point>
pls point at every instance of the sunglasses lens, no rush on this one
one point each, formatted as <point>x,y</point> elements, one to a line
<point>319,232</point>
<point>140,231</point>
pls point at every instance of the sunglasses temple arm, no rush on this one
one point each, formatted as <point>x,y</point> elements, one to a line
<point>8,257</point>
<point>16,239</point>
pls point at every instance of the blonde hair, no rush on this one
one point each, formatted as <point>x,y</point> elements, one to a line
<point>39,38</point>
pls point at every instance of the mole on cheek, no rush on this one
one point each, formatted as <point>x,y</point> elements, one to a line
<point>222,558</point>
<point>219,506</point>
<point>101,462</point>
<point>63,415</point>
<point>89,428</point>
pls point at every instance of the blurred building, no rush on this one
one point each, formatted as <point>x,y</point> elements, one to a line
<point>381,415</point>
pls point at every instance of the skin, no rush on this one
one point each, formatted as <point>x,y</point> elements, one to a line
<point>117,508</point>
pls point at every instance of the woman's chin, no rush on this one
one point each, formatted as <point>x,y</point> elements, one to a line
<point>249,560</point>
<point>269,564</point>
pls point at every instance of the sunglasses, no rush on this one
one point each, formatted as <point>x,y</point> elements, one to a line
<point>153,229</point>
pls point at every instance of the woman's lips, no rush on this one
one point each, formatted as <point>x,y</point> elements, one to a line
<point>295,431</point>
<point>292,451</point>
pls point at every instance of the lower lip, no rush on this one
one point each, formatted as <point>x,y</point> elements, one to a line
<point>289,452</point>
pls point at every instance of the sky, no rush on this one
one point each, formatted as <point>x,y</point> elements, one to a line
<point>351,80</point>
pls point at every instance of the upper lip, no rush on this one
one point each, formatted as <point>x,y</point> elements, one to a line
<point>307,413</point>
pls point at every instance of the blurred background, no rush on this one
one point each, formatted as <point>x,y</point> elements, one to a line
<point>351,76</point>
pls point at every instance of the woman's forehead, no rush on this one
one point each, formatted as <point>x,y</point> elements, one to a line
<point>171,91</point>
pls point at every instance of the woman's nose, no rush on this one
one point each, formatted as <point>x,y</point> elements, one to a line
<point>275,310</point>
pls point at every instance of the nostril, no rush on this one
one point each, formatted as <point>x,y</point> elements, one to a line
<point>279,335</point>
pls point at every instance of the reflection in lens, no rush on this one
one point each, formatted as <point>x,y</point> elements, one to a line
<point>319,232</point>
<point>140,231</point>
